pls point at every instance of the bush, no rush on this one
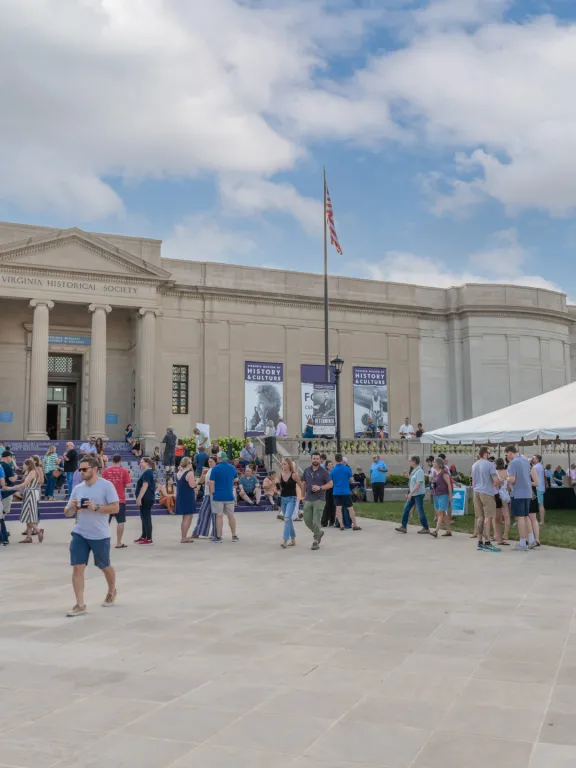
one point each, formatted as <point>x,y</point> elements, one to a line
<point>397,481</point>
<point>237,445</point>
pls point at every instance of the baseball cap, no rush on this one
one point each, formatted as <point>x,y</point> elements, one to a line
<point>222,455</point>
<point>6,454</point>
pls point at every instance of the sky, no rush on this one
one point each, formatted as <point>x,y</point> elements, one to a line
<point>447,129</point>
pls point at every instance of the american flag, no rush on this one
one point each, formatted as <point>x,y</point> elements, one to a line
<point>331,225</point>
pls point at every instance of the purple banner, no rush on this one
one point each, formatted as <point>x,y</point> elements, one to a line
<point>263,396</point>
<point>310,375</point>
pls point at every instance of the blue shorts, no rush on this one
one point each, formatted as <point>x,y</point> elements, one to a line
<point>520,507</point>
<point>540,495</point>
<point>80,549</point>
<point>441,503</point>
<point>343,500</point>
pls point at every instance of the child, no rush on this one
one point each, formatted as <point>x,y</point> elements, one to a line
<point>271,489</point>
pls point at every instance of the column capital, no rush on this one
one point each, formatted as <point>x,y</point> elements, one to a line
<point>148,310</point>
<point>106,307</point>
<point>41,302</point>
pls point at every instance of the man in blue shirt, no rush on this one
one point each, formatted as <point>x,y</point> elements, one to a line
<point>249,487</point>
<point>378,475</point>
<point>341,476</point>
<point>222,478</point>
<point>200,459</point>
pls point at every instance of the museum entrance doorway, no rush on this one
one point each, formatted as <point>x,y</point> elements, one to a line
<point>63,397</point>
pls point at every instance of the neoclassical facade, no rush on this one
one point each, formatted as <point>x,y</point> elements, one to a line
<point>99,330</point>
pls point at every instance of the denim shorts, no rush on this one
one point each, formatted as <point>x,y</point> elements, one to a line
<point>520,507</point>
<point>344,500</point>
<point>540,495</point>
<point>441,503</point>
<point>80,549</point>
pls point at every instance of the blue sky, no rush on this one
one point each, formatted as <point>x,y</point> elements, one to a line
<point>448,129</point>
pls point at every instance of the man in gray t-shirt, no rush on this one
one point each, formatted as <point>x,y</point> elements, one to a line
<point>520,482</point>
<point>317,480</point>
<point>484,481</point>
<point>92,501</point>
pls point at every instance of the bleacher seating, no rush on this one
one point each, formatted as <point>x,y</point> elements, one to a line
<point>55,509</point>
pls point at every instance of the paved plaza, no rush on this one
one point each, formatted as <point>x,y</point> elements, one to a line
<point>378,650</point>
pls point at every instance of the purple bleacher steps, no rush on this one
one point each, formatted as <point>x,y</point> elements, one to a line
<point>53,510</point>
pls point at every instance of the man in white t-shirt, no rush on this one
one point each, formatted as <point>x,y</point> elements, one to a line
<point>92,501</point>
<point>406,430</point>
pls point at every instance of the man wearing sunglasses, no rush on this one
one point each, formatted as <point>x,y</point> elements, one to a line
<point>92,501</point>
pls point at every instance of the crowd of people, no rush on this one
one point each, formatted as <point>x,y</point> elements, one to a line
<point>211,483</point>
<point>506,491</point>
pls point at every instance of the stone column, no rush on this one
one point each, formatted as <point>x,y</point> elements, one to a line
<point>39,371</point>
<point>97,382</point>
<point>146,355</point>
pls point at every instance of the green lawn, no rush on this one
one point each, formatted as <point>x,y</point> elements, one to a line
<point>559,531</point>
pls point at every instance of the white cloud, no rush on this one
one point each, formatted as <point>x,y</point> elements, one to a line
<point>501,96</point>
<point>250,197</point>
<point>201,238</point>
<point>238,90</point>
<point>159,88</point>
<point>504,262</point>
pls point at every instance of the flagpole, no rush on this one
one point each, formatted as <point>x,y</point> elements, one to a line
<point>326,352</point>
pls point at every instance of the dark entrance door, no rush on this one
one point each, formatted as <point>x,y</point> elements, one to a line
<point>63,397</point>
<point>61,411</point>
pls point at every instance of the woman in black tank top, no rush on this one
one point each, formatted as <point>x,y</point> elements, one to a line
<point>289,479</point>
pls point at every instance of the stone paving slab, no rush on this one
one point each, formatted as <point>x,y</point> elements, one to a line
<point>378,650</point>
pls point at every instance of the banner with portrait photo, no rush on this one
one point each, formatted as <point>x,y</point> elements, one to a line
<point>310,375</point>
<point>263,396</point>
<point>370,400</point>
<point>324,410</point>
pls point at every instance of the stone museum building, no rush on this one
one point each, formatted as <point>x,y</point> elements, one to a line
<point>98,331</point>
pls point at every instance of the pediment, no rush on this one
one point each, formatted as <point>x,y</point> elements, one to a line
<point>73,250</point>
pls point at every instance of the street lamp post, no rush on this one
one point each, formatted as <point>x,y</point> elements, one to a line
<point>337,363</point>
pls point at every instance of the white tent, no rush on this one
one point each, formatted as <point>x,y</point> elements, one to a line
<point>550,416</point>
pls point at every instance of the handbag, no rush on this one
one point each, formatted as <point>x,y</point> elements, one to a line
<point>56,472</point>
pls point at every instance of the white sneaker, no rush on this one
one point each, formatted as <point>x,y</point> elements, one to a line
<point>76,611</point>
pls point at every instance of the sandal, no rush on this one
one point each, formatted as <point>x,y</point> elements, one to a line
<point>27,540</point>
<point>434,533</point>
<point>356,528</point>
<point>447,533</point>
<point>120,546</point>
<point>186,541</point>
<point>284,546</point>
<point>40,535</point>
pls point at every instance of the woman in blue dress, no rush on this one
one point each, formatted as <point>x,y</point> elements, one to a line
<point>205,517</point>
<point>185,497</point>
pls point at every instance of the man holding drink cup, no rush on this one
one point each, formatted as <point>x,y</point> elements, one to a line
<point>92,501</point>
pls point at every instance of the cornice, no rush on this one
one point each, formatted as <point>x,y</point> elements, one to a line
<point>13,252</point>
<point>33,270</point>
<point>422,313</point>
